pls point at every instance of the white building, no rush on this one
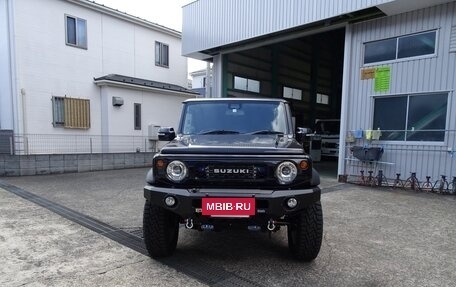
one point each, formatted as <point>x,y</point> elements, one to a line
<point>80,68</point>
<point>201,82</point>
<point>375,64</point>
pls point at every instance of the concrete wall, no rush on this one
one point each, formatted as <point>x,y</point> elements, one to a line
<point>19,165</point>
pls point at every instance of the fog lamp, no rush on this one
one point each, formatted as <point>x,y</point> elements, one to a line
<point>292,202</point>
<point>170,201</point>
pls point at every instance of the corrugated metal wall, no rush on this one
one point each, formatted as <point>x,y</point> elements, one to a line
<point>407,77</point>
<point>209,23</point>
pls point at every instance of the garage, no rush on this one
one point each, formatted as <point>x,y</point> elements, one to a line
<point>307,71</point>
<point>348,61</point>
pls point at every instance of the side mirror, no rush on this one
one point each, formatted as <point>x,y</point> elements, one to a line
<point>166,134</point>
<point>301,133</point>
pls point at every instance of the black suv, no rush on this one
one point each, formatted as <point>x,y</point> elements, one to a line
<point>233,163</point>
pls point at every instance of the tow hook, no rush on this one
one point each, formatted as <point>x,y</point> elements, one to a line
<point>189,223</point>
<point>271,225</point>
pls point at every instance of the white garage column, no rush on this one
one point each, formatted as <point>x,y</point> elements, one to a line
<point>347,71</point>
<point>217,69</point>
<point>6,68</point>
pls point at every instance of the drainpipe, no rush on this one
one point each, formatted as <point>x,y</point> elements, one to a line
<point>345,98</point>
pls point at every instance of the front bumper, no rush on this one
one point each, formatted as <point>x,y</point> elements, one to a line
<point>270,203</point>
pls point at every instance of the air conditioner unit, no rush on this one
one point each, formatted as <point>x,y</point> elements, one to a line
<point>117,101</point>
<point>153,132</point>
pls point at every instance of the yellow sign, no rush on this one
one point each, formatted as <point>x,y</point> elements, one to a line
<point>367,74</point>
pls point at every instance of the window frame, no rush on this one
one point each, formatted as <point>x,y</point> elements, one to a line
<point>293,90</point>
<point>160,62</point>
<point>397,60</point>
<point>58,112</point>
<point>77,45</point>
<point>247,85</point>
<point>321,95</point>
<point>77,116</point>
<point>408,95</point>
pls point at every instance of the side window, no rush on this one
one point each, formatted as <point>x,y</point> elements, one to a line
<point>409,46</point>
<point>137,116</point>
<point>71,113</point>
<point>416,45</point>
<point>411,117</point>
<point>291,93</point>
<point>245,84</point>
<point>76,32</point>
<point>161,55</point>
<point>322,99</point>
<point>379,51</point>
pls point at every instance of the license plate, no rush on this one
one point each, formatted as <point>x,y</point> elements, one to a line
<point>228,207</point>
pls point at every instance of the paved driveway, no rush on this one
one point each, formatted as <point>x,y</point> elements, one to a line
<point>372,237</point>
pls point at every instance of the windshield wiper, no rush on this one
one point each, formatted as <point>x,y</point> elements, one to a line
<point>265,132</point>
<point>219,132</point>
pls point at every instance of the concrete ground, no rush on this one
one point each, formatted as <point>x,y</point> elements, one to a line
<point>372,237</point>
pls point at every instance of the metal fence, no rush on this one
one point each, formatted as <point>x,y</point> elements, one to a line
<point>425,165</point>
<point>31,144</point>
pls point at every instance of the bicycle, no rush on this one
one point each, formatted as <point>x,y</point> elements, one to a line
<point>427,186</point>
<point>441,186</point>
<point>452,186</point>
<point>412,182</point>
<point>362,179</point>
<point>381,179</point>
<point>371,180</point>
<point>398,182</point>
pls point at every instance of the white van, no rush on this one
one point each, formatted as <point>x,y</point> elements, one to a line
<point>329,130</point>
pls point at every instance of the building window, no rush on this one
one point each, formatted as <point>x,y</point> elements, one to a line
<point>403,47</point>
<point>290,93</point>
<point>411,117</point>
<point>322,99</point>
<point>71,113</point>
<point>76,32</point>
<point>246,84</point>
<point>137,116</point>
<point>161,55</point>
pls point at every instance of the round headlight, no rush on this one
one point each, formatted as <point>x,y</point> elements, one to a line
<point>286,172</point>
<point>176,171</point>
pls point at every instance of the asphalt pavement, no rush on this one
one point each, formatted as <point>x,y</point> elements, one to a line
<point>372,237</point>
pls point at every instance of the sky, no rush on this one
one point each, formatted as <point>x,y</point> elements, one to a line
<point>163,12</point>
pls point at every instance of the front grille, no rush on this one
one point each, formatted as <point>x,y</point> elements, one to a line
<point>231,172</point>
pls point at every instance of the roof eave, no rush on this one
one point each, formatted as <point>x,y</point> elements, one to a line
<point>127,17</point>
<point>110,83</point>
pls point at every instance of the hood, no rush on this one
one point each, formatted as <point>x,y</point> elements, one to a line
<point>231,144</point>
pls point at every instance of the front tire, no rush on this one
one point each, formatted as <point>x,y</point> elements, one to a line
<point>160,229</point>
<point>305,233</point>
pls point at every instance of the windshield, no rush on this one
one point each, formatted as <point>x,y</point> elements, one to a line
<point>234,117</point>
<point>327,127</point>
